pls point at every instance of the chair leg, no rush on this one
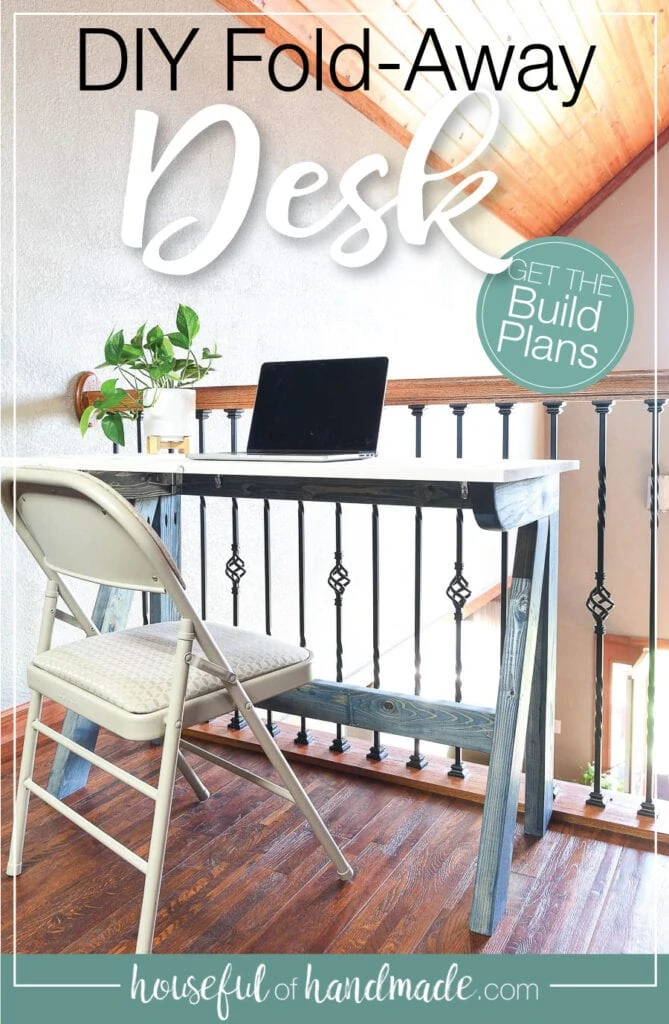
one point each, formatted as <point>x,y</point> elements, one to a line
<point>290,781</point>
<point>14,863</point>
<point>168,767</point>
<point>192,778</point>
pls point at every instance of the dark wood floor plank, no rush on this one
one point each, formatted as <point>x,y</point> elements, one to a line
<point>450,932</point>
<point>638,904</point>
<point>243,873</point>
<point>291,855</point>
<point>323,908</point>
<point>215,858</point>
<point>81,868</point>
<point>566,900</point>
<point>75,862</point>
<point>435,872</point>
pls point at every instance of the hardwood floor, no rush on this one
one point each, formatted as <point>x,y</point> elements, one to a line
<point>243,874</point>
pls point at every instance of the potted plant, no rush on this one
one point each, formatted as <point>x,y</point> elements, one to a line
<point>158,370</point>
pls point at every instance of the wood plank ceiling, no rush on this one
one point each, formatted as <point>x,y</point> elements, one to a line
<point>553,161</point>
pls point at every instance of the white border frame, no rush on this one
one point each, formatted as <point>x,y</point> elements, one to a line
<point>223,14</point>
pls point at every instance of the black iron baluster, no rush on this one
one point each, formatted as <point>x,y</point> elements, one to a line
<point>417,760</point>
<point>458,592</point>
<point>202,415</point>
<point>504,409</point>
<point>655,407</point>
<point>235,569</point>
<point>268,566</point>
<point>553,410</point>
<point>272,727</point>
<point>377,751</point>
<point>338,580</point>
<point>599,603</point>
<point>304,737</point>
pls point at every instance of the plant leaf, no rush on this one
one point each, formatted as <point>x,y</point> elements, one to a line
<point>114,347</point>
<point>112,400</point>
<point>131,353</point>
<point>179,339</point>
<point>108,386</point>
<point>192,373</point>
<point>166,350</point>
<point>158,370</point>
<point>188,322</point>
<point>139,336</point>
<point>85,418</point>
<point>154,337</point>
<point>112,426</point>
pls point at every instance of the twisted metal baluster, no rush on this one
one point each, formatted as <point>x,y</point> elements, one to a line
<point>458,592</point>
<point>235,569</point>
<point>377,751</point>
<point>417,759</point>
<point>304,737</point>
<point>338,580</point>
<point>553,410</point>
<point>600,603</point>
<point>655,407</point>
<point>272,727</point>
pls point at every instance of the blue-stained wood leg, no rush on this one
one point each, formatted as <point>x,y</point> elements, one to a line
<point>167,524</point>
<point>508,742</point>
<point>540,742</point>
<point>112,607</point>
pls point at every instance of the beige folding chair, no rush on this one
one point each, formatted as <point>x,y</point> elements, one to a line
<point>142,684</point>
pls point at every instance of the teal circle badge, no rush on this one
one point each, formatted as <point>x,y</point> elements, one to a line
<point>558,318</point>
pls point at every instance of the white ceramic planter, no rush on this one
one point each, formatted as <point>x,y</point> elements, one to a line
<point>169,413</point>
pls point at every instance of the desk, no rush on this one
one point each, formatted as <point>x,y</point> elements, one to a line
<point>502,495</point>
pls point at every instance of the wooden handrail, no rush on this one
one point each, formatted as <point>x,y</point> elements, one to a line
<point>623,385</point>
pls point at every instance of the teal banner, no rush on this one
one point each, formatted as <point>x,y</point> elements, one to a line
<point>324,989</point>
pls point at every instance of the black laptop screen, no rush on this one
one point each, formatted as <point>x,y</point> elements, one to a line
<point>319,406</point>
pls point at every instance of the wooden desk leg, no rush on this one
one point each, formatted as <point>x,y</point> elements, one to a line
<point>508,742</point>
<point>167,524</point>
<point>112,608</point>
<point>540,742</point>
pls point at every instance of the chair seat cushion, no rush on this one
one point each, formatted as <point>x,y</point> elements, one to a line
<point>132,668</point>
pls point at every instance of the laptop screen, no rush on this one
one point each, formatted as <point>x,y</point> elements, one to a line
<point>318,406</point>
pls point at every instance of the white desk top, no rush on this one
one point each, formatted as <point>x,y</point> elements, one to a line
<point>459,470</point>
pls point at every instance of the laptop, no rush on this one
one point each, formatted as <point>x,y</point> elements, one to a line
<point>315,410</point>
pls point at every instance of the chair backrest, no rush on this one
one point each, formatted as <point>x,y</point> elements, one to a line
<point>76,525</point>
<point>82,529</point>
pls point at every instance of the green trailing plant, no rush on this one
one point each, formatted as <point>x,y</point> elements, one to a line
<point>607,779</point>
<point>151,359</point>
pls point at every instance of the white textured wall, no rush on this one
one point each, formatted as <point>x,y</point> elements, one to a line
<point>265,297</point>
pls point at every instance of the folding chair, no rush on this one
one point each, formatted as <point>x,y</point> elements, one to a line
<point>145,683</point>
